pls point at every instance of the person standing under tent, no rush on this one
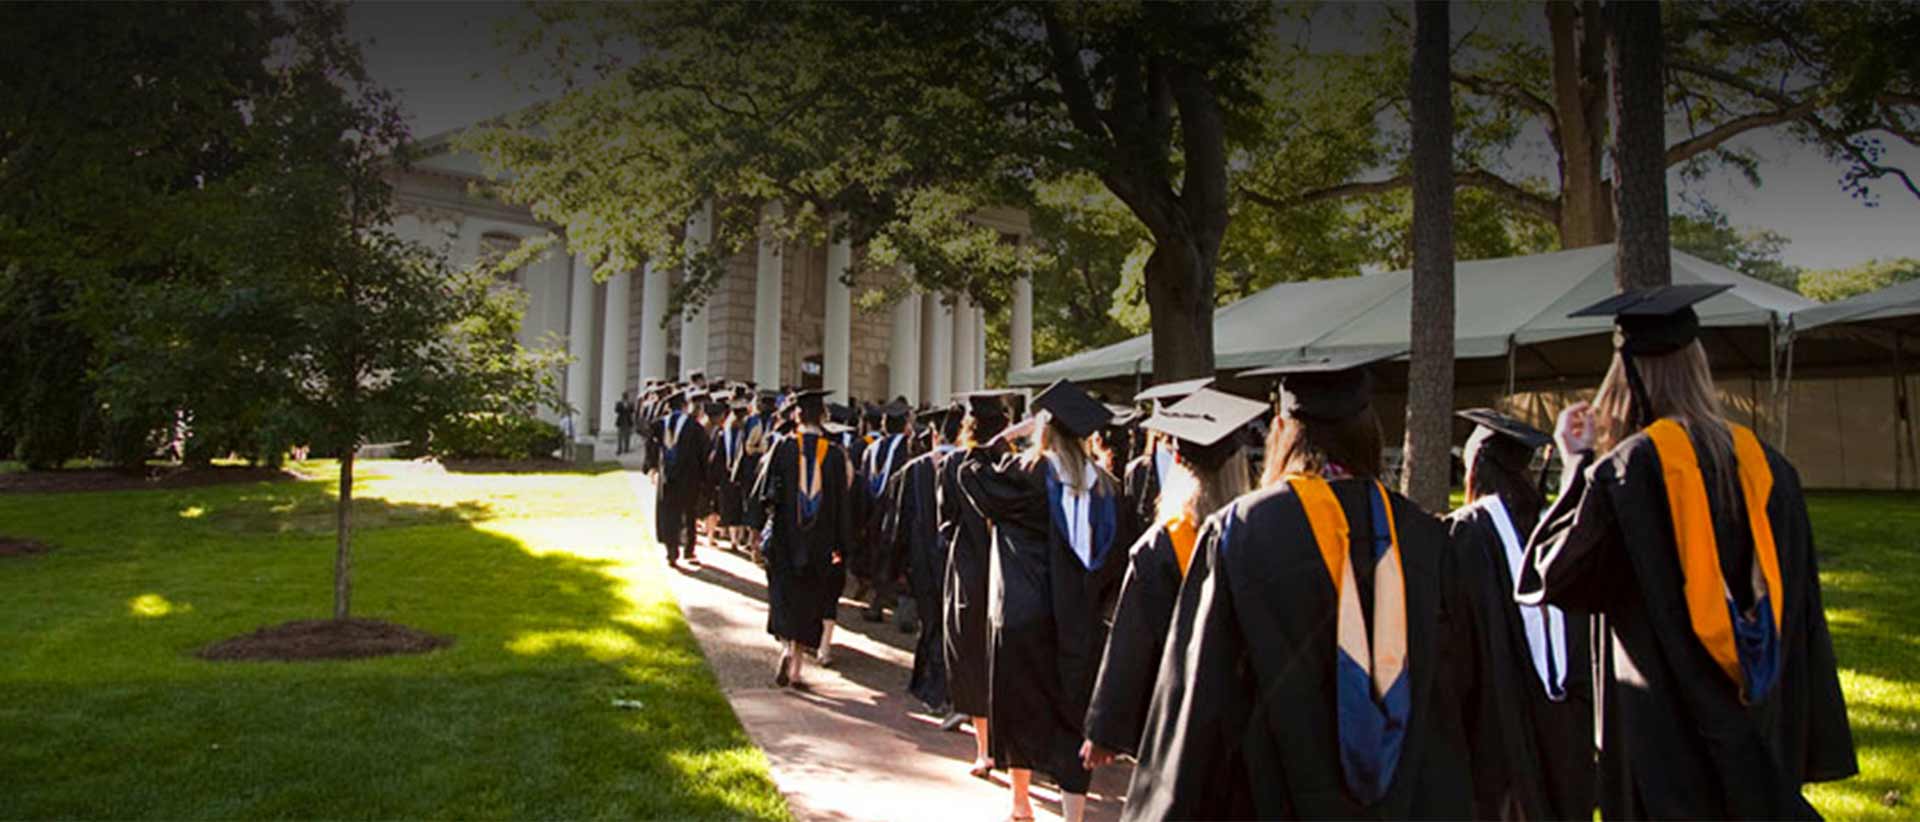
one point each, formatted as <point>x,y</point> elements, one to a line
<point>968,558</point>
<point>912,528</point>
<point>1538,762</point>
<point>1056,529</point>
<point>1208,431</point>
<point>1688,538</point>
<point>679,446</point>
<point>800,502</point>
<point>1315,667</point>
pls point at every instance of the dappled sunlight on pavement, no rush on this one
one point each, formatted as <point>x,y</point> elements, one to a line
<point>854,745</point>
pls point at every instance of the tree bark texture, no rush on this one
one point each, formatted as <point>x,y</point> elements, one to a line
<point>1426,470</point>
<point>1579,124</point>
<point>343,534</point>
<point>1637,54</point>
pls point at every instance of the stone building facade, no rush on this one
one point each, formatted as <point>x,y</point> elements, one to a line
<point>781,316</point>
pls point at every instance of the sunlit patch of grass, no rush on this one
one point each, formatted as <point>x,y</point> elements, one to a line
<point>540,578</point>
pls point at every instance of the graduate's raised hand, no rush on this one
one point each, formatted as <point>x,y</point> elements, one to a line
<point>1573,433</point>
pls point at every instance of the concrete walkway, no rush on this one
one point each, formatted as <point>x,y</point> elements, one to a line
<point>855,746</point>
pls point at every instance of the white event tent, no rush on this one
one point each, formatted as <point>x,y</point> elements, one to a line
<point>1511,312</point>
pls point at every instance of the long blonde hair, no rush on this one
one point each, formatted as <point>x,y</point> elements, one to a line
<point>1195,493</point>
<point>1678,385</point>
<point>1070,451</point>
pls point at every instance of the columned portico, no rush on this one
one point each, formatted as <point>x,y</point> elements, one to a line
<point>963,347</point>
<point>653,312</point>
<point>693,323</point>
<point>979,347</point>
<point>768,270</point>
<point>1020,335</point>
<point>837,342</point>
<point>903,351</point>
<point>613,349</point>
<point>938,374</point>
<point>580,343</point>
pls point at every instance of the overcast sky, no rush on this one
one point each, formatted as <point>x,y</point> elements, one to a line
<point>441,60</point>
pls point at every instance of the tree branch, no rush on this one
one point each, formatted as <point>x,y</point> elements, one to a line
<point>1511,92</point>
<point>1536,205</point>
<point>1694,146</point>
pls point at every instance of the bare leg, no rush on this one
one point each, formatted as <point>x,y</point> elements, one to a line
<point>799,662</point>
<point>1073,806</point>
<point>825,654</point>
<point>1022,803</point>
<point>981,762</point>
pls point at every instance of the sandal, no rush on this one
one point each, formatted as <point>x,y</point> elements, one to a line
<point>780,677</point>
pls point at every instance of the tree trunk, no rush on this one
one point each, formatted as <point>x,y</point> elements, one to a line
<point>1180,305</point>
<point>1427,468</point>
<point>343,547</point>
<point>1580,124</point>
<point>1636,52</point>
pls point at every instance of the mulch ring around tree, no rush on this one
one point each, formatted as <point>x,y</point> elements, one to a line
<point>114,479</point>
<point>19,547</point>
<point>318,639</point>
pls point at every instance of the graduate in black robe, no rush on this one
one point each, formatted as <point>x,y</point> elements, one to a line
<point>757,435</point>
<point>883,459</point>
<point>680,449</point>
<point>1056,566</point>
<point>1689,539</point>
<point>912,528</point>
<point>969,557</point>
<point>1306,675</point>
<point>1208,432</point>
<point>729,447</point>
<point>1146,471</point>
<point>800,502</point>
<point>1534,752</point>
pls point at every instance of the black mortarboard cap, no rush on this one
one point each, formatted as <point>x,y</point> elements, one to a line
<point>1208,426</point>
<point>1072,408</point>
<point>717,405</point>
<point>1654,321</point>
<point>1497,424</point>
<point>987,403</point>
<point>1328,387</point>
<point>839,413</point>
<point>810,400</point>
<point>895,410</point>
<point>1171,391</point>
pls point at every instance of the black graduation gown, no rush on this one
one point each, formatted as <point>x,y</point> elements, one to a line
<point>727,492</point>
<point>912,527</point>
<point>1243,719</point>
<point>683,471</point>
<point>1676,742</point>
<point>801,578</point>
<point>1118,710</point>
<point>756,438</point>
<point>964,591</point>
<point>1141,489</point>
<point>881,563</point>
<point>1536,759</point>
<point>1046,614</point>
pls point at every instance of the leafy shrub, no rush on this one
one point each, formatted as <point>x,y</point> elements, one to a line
<point>495,436</point>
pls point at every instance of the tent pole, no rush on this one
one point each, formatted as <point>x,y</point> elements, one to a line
<point>1773,375</point>
<point>1786,406</point>
<point>1904,459</point>
<point>1511,352</point>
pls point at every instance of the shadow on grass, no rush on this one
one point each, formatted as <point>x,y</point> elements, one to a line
<point>529,466</point>
<point>107,714</point>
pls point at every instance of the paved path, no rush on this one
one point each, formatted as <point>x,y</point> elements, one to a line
<point>856,746</point>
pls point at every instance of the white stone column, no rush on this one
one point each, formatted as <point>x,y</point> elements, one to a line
<point>769,268</point>
<point>939,374</point>
<point>836,364</point>
<point>466,246</point>
<point>979,346</point>
<point>693,324</point>
<point>1020,341</point>
<point>653,310</point>
<point>933,379</point>
<point>963,347</point>
<point>903,350</point>
<point>579,344</point>
<point>613,348</point>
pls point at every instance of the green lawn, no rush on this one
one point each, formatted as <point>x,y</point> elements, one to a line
<point>556,608</point>
<point>557,611</point>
